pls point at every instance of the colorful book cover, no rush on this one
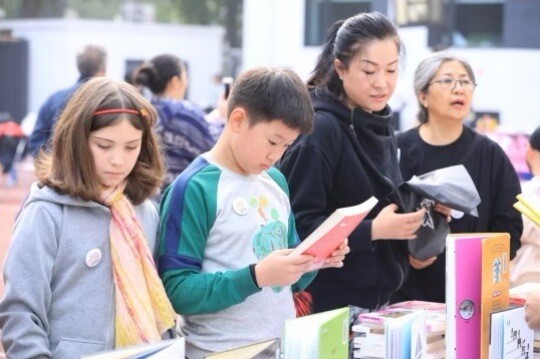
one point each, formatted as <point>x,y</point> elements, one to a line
<point>463,295</point>
<point>319,336</point>
<point>381,316</point>
<point>331,233</point>
<point>495,282</point>
<point>419,305</point>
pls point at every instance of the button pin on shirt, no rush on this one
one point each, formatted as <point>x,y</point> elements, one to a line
<point>240,206</point>
<point>93,257</point>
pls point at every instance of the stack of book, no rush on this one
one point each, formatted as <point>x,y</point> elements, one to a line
<point>411,329</point>
<point>428,329</point>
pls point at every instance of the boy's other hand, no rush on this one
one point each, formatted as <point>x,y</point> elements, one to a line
<point>337,257</point>
<point>280,269</point>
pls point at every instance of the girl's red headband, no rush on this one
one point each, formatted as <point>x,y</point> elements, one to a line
<point>117,110</point>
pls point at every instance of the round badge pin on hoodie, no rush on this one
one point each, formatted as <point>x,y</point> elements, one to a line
<point>93,257</point>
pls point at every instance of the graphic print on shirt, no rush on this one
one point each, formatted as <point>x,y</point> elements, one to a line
<point>272,234</point>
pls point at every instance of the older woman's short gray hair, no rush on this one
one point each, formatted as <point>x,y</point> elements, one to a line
<point>425,72</point>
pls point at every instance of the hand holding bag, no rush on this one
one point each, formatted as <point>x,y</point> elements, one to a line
<point>450,186</point>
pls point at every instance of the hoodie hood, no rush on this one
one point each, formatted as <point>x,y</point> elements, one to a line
<point>380,122</point>
<point>374,131</point>
<point>48,194</point>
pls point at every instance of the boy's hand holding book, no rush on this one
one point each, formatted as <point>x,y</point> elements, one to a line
<point>338,256</point>
<point>328,244</point>
<point>280,269</point>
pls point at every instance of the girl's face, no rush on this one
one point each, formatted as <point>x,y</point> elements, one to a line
<point>371,77</point>
<point>115,150</point>
<point>449,95</point>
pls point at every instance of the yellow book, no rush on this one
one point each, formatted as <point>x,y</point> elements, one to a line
<point>529,205</point>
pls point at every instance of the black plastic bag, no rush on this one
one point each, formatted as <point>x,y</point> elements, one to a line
<point>451,186</point>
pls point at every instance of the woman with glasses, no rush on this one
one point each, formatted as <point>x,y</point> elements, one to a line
<point>444,85</point>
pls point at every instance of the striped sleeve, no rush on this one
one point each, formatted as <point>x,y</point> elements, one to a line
<point>187,212</point>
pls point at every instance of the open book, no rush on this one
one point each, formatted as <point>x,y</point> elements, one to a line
<point>269,347</point>
<point>172,348</point>
<point>331,233</point>
<point>317,336</point>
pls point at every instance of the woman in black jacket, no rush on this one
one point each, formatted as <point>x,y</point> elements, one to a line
<point>444,85</point>
<point>351,156</point>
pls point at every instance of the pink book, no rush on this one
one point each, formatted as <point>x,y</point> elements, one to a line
<point>463,295</point>
<point>419,305</point>
<point>323,241</point>
<point>381,316</point>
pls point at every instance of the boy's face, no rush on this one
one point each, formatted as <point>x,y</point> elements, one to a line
<point>259,147</point>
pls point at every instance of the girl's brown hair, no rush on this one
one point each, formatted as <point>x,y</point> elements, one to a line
<point>69,167</point>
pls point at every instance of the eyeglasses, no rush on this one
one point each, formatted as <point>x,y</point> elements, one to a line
<point>449,83</point>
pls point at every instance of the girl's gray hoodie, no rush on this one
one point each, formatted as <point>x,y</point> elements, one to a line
<point>59,290</point>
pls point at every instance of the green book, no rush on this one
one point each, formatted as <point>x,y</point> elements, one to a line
<point>318,336</point>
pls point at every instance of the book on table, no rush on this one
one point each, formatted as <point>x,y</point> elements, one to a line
<point>270,348</point>
<point>317,336</point>
<point>384,334</point>
<point>165,349</point>
<point>329,235</point>
<point>529,205</point>
<point>428,328</point>
<point>511,337</point>
<point>477,284</point>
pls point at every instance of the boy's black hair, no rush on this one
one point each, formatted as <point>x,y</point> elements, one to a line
<point>269,94</point>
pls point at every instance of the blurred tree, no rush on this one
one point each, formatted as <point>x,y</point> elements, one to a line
<point>42,8</point>
<point>95,9</point>
<point>227,13</point>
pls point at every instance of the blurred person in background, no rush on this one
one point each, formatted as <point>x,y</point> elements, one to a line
<point>444,85</point>
<point>91,61</point>
<point>526,266</point>
<point>181,125</point>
